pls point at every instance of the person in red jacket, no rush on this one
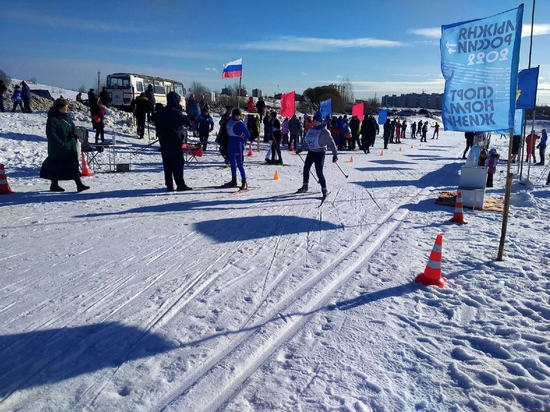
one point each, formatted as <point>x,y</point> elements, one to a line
<point>251,106</point>
<point>530,143</point>
<point>98,124</point>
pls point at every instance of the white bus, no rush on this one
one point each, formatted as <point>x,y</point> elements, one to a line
<point>124,87</point>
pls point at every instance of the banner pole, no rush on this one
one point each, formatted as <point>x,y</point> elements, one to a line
<point>507,194</point>
<point>239,92</point>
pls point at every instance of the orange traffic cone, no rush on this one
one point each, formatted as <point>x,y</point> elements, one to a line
<point>458,217</point>
<point>291,148</point>
<point>419,144</point>
<point>276,175</point>
<point>351,159</point>
<point>432,273</point>
<point>412,146</point>
<point>400,149</point>
<point>250,150</point>
<point>5,188</point>
<point>85,171</point>
<point>381,153</point>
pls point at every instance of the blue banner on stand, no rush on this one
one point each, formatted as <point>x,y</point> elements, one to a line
<point>479,61</point>
<point>326,108</point>
<point>382,116</point>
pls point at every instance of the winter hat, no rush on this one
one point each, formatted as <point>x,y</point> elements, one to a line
<point>173,99</point>
<point>236,112</point>
<point>543,130</point>
<point>492,151</point>
<point>318,117</point>
<point>60,103</point>
<point>273,114</point>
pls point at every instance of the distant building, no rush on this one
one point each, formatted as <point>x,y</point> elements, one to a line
<point>257,93</point>
<point>432,101</point>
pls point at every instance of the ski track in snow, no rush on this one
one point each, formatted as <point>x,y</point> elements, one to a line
<point>308,309</point>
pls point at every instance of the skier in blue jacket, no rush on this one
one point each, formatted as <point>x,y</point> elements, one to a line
<point>238,136</point>
<point>316,141</point>
<point>26,96</point>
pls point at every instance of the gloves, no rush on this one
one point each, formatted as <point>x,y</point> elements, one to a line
<point>538,146</point>
<point>334,159</point>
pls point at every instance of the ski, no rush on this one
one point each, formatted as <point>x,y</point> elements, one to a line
<point>323,199</point>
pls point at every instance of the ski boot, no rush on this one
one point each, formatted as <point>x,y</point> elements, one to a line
<point>303,189</point>
<point>232,183</point>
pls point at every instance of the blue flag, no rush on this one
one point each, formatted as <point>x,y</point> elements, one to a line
<point>382,116</point>
<point>527,88</point>
<point>519,119</point>
<point>326,108</point>
<point>479,61</point>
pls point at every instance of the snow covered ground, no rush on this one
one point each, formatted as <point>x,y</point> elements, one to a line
<point>128,298</point>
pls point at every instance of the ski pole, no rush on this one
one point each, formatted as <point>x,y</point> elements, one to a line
<point>312,175</point>
<point>341,169</point>
<point>143,148</point>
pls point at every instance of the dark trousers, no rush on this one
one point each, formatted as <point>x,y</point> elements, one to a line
<point>1,103</point>
<point>15,104</point>
<point>140,125</point>
<point>386,141</point>
<point>319,159</point>
<point>276,147</point>
<point>99,132</point>
<point>541,154</point>
<point>293,140</point>
<point>355,139</point>
<point>27,106</point>
<point>490,179</point>
<point>172,162</point>
<point>203,137</point>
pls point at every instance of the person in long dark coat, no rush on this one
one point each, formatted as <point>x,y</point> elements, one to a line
<point>62,160</point>
<point>26,96</point>
<point>388,128</point>
<point>368,131</point>
<point>170,122</point>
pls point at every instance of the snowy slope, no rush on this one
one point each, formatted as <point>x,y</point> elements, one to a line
<point>129,298</point>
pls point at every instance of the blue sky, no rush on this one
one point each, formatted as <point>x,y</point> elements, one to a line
<point>381,47</point>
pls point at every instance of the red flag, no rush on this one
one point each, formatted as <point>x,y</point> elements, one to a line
<point>288,104</point>
<point>358,110</point>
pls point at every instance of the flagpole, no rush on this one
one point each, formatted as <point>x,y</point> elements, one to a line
<point>239,91</point>
<point>509,175</point>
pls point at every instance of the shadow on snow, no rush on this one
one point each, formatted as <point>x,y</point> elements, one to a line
<point>48,356</point>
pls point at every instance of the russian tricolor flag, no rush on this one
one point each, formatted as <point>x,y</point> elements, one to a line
<point>233,69</point>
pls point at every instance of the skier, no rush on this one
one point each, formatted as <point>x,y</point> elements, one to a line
<point>413,130</point>
<point>238,136</point>
<point>316,141</point>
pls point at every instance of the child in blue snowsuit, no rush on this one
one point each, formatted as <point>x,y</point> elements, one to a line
<point>238,136</point>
